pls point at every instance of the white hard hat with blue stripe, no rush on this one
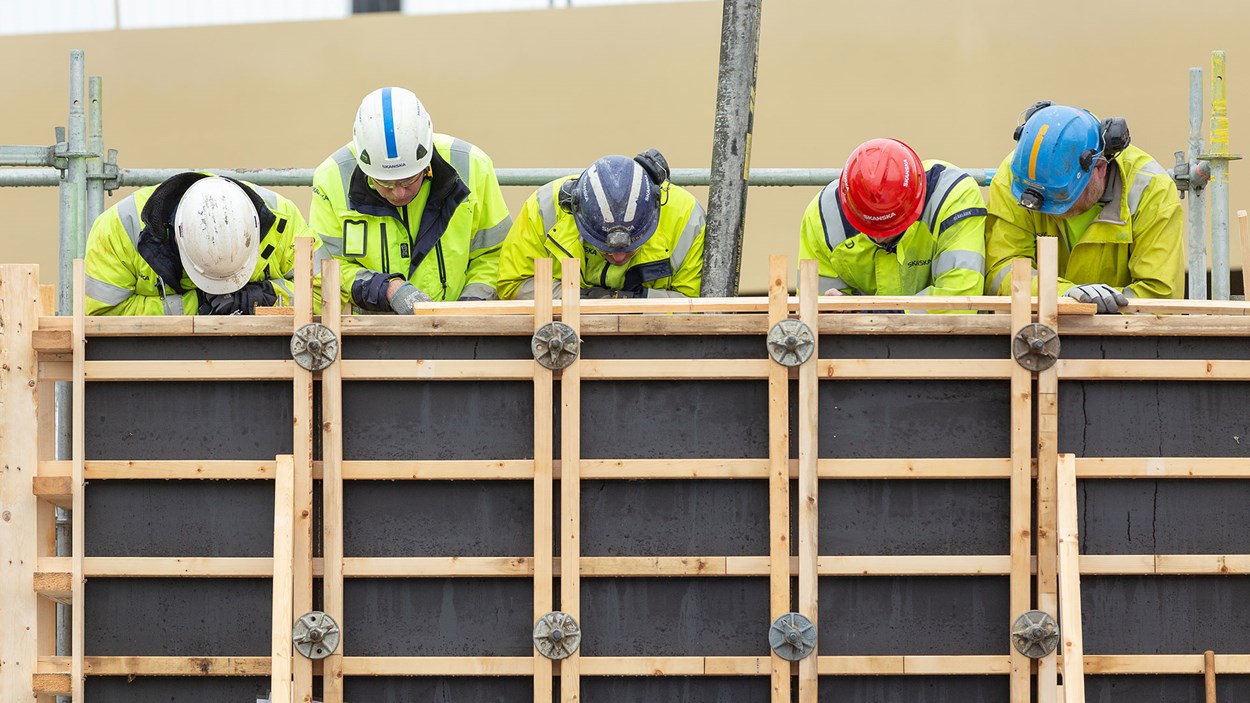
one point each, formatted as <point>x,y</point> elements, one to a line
<point>393,135</point>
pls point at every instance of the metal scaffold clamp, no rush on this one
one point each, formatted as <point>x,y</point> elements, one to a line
<point>557,635</point>
<point>792,636</point>
<point>790,342</point>
<point>314,346</point>
<point>555,345</point>
<point>1035,634</point>
<point>316,635</point>
<point>1036,347</point>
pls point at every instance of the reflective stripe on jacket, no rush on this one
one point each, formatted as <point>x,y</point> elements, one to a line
<point>942,253</point>
<point>669,264</point>
<point>1135,243</point>
<point>121,282</point>
<point>445,242</point>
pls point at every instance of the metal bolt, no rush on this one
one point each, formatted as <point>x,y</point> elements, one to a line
<point>556,346</point>
<point>556,636</point>
<point>1038,345</point>
<point>792,343</point>
<point>314,346</point>
<point>315,635</point>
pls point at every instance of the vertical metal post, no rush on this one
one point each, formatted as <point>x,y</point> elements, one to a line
<point>731,146</point>
<point>1219,157</point>
<point>1197,214</point>
<point>95,145</point>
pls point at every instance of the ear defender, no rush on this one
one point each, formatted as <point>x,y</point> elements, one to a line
<point>1115,137</point>
<point>1029,112</point>
<point>567,197</point>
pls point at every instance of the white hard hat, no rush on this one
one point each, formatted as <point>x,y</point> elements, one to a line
<point>393,135</point>
<point>217,230</point>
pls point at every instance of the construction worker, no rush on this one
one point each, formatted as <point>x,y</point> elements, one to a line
<point>196,243</point>
<point>1115,211</point>
<point>413,216</point>
<point>893,225</point>
<point>635,233</point>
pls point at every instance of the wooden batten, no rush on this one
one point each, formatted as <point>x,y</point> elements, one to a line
<point>1021,490</point>
<point>778,475</point>
<point>78,528</point>
<point>544,412</point>
<point>280,683</point>
<point>570,479</point>
<point>332,479</point>
<point>1047,458</point>
<point>809,483</point>
<point>1070,580</point>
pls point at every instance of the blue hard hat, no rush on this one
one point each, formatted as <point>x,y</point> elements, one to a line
<point>1056,149</point>
<point>616,204</point>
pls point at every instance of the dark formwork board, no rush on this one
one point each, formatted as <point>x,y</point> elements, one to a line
<point>1165,614</point>
<point>168,617</point>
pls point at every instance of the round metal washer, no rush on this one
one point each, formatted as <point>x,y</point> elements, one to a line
<point>792,636</point>
<point>1035,634</point>
<point>316,635</point>
<point>1036,347</point>
<point>557,635</point>
<point>555,345</point>
<point>314,346</point>
<point>790,342</point>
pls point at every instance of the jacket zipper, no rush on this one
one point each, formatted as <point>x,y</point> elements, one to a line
<point>442,268</point>
<point>386,253</point>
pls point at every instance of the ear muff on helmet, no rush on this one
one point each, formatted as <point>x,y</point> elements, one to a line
<point>1115,137</point>
<point>654,163</point>
<point>1029,112</point>
<point>651,161</point>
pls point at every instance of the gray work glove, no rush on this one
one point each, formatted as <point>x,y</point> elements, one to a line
<point>1108,299</point>
<point>600,293</point>
<point>406,297</point>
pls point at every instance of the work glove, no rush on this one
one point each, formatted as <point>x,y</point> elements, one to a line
<point>1108,299</point>
<point>241,302</point>
<point>407,296</point>
<point>601,293</point>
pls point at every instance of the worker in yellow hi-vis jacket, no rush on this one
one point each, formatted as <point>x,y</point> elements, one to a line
<point>892,225</point>
<point>1115,211</point>
<point>412,215</point>
<point>196,243</point>
<point>635,234</point>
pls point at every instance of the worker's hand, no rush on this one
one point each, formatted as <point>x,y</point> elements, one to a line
<point>1108,299</point>
<point>833,291</point>
<point>406,296</point>
<point>241,302</point>
<point>600,293</point>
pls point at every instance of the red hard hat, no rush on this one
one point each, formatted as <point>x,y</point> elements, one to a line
<point>882,188</point>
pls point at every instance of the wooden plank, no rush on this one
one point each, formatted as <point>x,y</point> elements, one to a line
<point>914,468</point>
<point>1070,580</point>
<point>1162,467</point>
<point>164,567</point>
<point>543,487</point>
<point>745,305</point>
<point>1047,458</point>
<point>1243,227</point>
<point>438,470</point>
<point>674,468</point>
<point>1190,664</point>
<point>156,469</point>
<point>78,528</point>
<point>19,457</point>
<point>675,369</point>
<point>1144,325</point>
<point>54,585</point>
<point>571,479</point>
<point>1109,564</point>
<point>1208,664</point>
<point>809,484</point>
<point>778,476</point>
<point>302,451</point>
<point>190,370</point>
<point>612,567</point>
<point>437,567</point>
<point>436,370</point>
<point>52,341</point>
<point>642,666</point>
<point>915,368</point>
<point>1153,369</point>
<point>861,666</point>
<point>1021,539</point>
<point>58,490</point>
<point>274,311</point>
<point>283,580</point>
<point>332,479</point>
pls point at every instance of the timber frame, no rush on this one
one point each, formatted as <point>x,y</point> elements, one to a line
<point>38,349</point>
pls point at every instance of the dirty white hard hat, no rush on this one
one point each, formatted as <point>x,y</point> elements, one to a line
<point>218,233</point>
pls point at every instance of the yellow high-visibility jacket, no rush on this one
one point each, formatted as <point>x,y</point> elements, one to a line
<point>942,253</point>
<point>669,264</point>
<point>1135,243</point>
<point>445,242</point>
<point>121,281</point>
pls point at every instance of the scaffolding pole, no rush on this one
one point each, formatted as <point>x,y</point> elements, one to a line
<point>1196,215</point>
<point>1219,157</point>
<point>731,147</point>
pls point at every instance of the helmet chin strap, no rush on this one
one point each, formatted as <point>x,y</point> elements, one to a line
<point>889,243</point>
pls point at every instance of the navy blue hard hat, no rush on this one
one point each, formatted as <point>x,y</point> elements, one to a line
<point>617,204</point>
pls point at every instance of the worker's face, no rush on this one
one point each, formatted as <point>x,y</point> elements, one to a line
<point>1093,191</point>
<point>617,258</point>
<point>401,192</point>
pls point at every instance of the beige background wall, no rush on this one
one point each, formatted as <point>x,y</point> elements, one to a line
<point>562,87</point>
